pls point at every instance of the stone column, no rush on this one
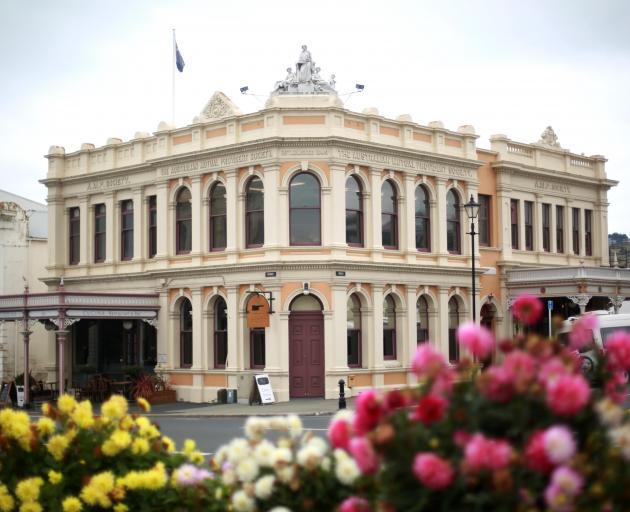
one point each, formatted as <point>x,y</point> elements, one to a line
<point>197,323</point>
<point>442,332</point>
<point>164,227</point>
<point>273,334</point>
<point>408,236</point>
<point>335,344</point>
<point>139,221</point>
<point>282,220</point>
<point>197,223</point>
<point>57,232</point>
<point>600,227</point>
<point>273,214</point>
<point>439,242</point>
<point>504,223</point>
<point>26,333</point>
<point>164,348</point>
<point>233,209</point>
<point>112,212</point>
<point>235,353</point>
<point>337,219</point>
<point>326,217</point>
<point>377,326</point>
<point>375,183</point>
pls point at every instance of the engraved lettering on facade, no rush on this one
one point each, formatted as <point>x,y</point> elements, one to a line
<point>304,151</point>
<point>108,183</point>
<point>214,163</point>
<point>552,186</point>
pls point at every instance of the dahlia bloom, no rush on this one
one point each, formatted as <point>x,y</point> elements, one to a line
<point>476,338</point>
<point>433,471</point>
<point>430,409</point>
<point>483,453</point>
<point>535,453</point>
<point>427,361</point>
<point>567,395</point>
<point>559,444</point>
<point>339,433</point>
<point>364,455</point>
<point>496,384</point>
<point>582,331</point>
<point>354,504</point>
<point>527,309</point>
<point>617,347</point>
<point>368,412</point>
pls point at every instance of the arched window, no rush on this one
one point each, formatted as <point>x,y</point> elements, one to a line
<point>255,213</point>
<point>354,331</point>
<point>304,210</point>
<point>218,224</point>
<point>422,320</point>
<point>389,216</point>
<point>389,328</point>
<point>453,323</point>
<point>354,212</point>
<point>453,236</point>
<point>220,333</point>
<point>423,225</point>
<point>183,222</point>
<point>488,313</point>
<point>185,334</point>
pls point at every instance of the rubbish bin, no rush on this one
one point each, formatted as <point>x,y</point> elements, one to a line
<point>222,396</point>
<point>231,396</point>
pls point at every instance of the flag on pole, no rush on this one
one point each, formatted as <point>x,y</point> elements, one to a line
<point>179,60</point>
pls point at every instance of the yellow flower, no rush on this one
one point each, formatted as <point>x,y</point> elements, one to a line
<point>46,426</point>
<point>6,500</point>
<point>189,446</point>
<point>54,477</point>
<point>97,490</point>
<point>31,506</point>
<point>169,445</point>
<point>126,423</point>
<point>71,504</point>
<point>152,479</point>
<point>146,428</point>
<point>83,415</point>
<point>57,446</point>
<point>140,446</point>
<point>16,425</point>
<point>196,457</point>
<point>28,489</point>
<point>115,408</point>
<point>120,507</point>
<point>144,404</point>
<point>46,409</point>
<point>66,404</point>
<point>117,442</point>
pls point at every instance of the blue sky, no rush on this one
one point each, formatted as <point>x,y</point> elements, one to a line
<point>76,71</point>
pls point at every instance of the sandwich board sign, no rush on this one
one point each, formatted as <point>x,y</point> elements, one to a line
<point>264,388</point>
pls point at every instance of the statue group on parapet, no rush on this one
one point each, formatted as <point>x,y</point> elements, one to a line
<point>305,79</point>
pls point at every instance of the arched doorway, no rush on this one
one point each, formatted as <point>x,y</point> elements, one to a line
<point>306,348</point>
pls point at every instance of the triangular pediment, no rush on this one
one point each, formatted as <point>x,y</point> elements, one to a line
<point>220,106</point>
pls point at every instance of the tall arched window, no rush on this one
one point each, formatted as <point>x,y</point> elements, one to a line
<point>389,216</point>
<point>183,222</point>
<point>453,323</point>
<point>218,218</point>
<point>220,333</point>
<point>354,212</point>
<point>254,213</point>
<point>422,320</point>
<point>389,328</point>
<point>185,334</point>
<point>453,236</point>
<point>354,331</point>
<point>423,225</point>
<point>304,210</point>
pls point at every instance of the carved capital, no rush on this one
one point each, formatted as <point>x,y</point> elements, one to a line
<point>581,299</point>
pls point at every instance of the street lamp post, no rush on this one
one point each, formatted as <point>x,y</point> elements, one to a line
<point>472,210</point>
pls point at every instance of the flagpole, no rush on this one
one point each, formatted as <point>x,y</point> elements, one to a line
<point>173,83</point>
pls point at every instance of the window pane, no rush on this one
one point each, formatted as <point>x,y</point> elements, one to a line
<point>452,206</point>
<point>388,198</point>
<point>257,348</point>
<point>220,348</point>
<point>304,191</point>
<point>422,206</point>
<point>217,200</point>
<point>388,230</point>
<point>255,228</point>
<point>219,236</point>
<point>184,236</point>
<point>353,338</point>
<point>452,237</point>
<point>255,195</point>
<point>305,227</point>
<point>353,194</point>
<point>389,351</point>
<point>353,227</point>
<point>484,219</point>
<point>127,244</point>
<point>422,233</point>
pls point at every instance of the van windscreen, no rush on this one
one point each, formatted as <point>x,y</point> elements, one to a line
<point>607,331</point>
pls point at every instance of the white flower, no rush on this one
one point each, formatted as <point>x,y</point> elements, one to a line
<point>347,471</point>
<point>255,427</point>
<point>280,509</point>
<point>309,457</point>
<point>221,455</point>
<point>319,444</point>
<point>247,470</point>
<point>294,424</point>
<point>285,442</point>
<point>238,449</point>
<point>620,437</point>
<point>263,453</point>
<point>242,502</point>
<point>325,464</point>
<point>264,487</point>
<point>228,477</point>
<point>282,455</point>
<point>344,415</point>
<point>285,474</point>
<point>340,455</point>
<point>559,444</point>
<point>278,422</point>
<point>609,412</point>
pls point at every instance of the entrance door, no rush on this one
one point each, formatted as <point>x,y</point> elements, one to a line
<point>306,354</point>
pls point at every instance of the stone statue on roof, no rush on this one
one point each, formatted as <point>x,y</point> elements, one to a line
<point>549,138</point>
<point>306,79</point>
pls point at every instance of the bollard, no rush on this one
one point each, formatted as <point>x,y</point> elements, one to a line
<point>342,395</point>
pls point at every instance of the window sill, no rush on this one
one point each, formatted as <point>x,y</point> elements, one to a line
<point>392,363</point>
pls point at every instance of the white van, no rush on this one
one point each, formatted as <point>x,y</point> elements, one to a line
<point>608,323</point>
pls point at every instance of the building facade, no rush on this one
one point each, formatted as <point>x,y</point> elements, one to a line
<point>349,226</point>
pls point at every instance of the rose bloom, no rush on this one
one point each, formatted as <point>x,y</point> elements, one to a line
<point>363,454</point>
<point>483,453</point>
<point>476,338</point>
<point>582,331</point>
<point>568,395</point>
<point>559,444</point>
<point>354,504</point>
<point>368,412</point>
<point>339,433</point>
<point>427,362</point>
<point>527,309</point>
<point>617,347</point>
<point>430,409</point>
<point>535,453</point>
<point>433,471</point>
<point>496,384</point>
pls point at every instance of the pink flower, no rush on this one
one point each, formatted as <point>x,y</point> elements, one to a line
<point>476,338</point>
<point>354,504</point>
<point>558,499</point>
<point>582,332</point>
<point>559,444</point>
<point>364,455</point>
<point>521,366</point>
<point>433,471</point>
<point>443,382</point>
<point>187,475</point>
<point>616,387</point>
<point>428,362</point>
<point>535,453</point>
<point>430,409</point>
<point>339,432</point>
<point>567,395</point>
<point>551,370</point>
<point>496,384</point>
<point>568,480</point>
<point>527,309</point>
<point>394,400</point>
<point>368,412</point>
<point>617,347</point>
<point>482,453</point>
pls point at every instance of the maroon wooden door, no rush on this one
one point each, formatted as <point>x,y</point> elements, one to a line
<point>306,354</point>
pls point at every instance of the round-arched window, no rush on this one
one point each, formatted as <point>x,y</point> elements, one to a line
<point>389,216</point>
<point>185,334</point>
<point>423,225</point>
<point>354,212</point>
<point>453,323</point>
<point>220,333</point>
<point>354,331</point>
<point>183,222</point>
<point>254,213</point>
<point>422,320</point>
<point>453,229</point>
<point>389,328</point>
<point>218,218</point>
<point>304,210</point>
